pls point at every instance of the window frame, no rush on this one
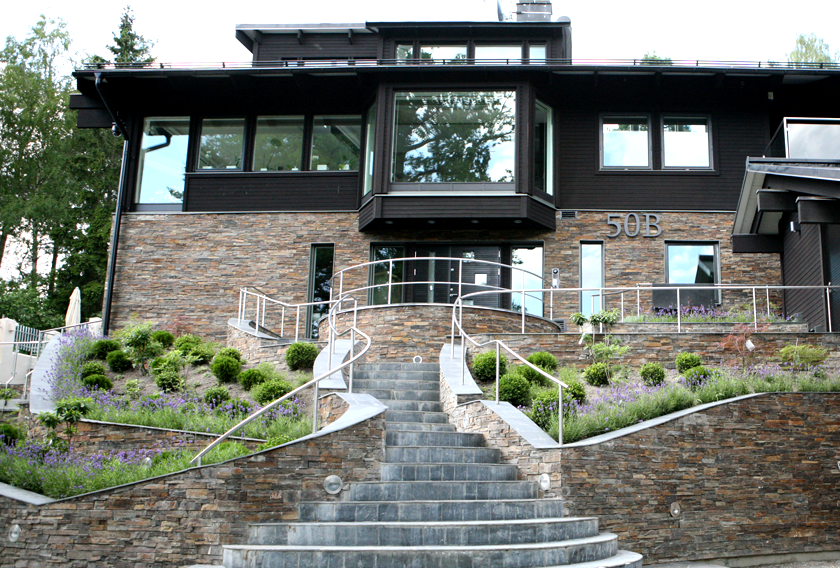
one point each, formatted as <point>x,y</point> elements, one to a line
<point>159,206</point>
<point>711,144</point>
<point>310,283</point>
<point>643,115</point>
<point>602,244</point>
<point>247,132</point>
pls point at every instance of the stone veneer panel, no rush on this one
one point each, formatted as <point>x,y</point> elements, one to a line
<point>188,268</point>
<point>186,518</point>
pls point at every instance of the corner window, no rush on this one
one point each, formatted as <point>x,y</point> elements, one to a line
<point>336,143</point>
<point>222,144</point>
<point>625,142</point>
<point>278,144</point>
<point>543,149</point>
<point>454,137</point>
<point>692,263</point>
<point>686,142</point>
<point>163,160</point>
<point>370,125</point>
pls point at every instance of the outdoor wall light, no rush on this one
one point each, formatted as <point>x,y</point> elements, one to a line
<point>545,482</point>
<point>474,221</point>
<point>517,221</point>
<point>431,221</point>
<point>332,484</point>
<point>389,222</point>
<point>417,359</point>
<point>14,533</point>
<point>676,509</point>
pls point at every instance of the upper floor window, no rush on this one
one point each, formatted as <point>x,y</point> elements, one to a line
<point>278,144</point>
<point>222,144</point>
<point>537,52</point>
<point>543,149</point>
<point>625,141</point>
<point>812,139</point>
<point>686,142</point>
<point>454,137</point>
<point>336,143</point>
<point>444,53</point>
<point>499,53</point>
<point>163,160</point>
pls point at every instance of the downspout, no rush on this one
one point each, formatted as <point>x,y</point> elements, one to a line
<point>115,231</point>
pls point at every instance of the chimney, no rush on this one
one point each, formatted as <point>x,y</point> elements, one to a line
<point>533,11</point>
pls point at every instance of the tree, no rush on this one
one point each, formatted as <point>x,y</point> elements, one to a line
<point>129,46</point>
<point>651,58</point>
<point>811,49</point>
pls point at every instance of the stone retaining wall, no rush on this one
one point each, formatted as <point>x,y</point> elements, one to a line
<point>185,518</point>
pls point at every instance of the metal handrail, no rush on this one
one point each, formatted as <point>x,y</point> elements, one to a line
<point>353,330</point>
<point>259,319</point>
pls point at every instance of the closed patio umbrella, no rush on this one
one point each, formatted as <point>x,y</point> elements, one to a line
<point>74,309</point>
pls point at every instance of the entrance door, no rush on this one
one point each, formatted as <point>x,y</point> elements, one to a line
<point>438,279</point>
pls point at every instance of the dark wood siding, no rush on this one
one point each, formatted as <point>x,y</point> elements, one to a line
<point>275,47</point>
<point>802,266</point>
<point>334,191</point>
<point>831,248</point>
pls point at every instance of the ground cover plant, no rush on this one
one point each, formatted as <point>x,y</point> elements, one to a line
<point>700,314</point>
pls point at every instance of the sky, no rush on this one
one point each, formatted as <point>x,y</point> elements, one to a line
<point>186,31</point>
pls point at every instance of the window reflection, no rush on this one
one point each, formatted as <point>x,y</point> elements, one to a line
<point>536,51</point>
<point>692,264</point>
<point>222,144</point>
<point>499,53</point>
<point>320,273</point>
<point>813,141</point>
<point>530,260</point>
<point>626,142</point>
<point>543,149</point>
<point>444,53</point>
<point>384,272</point>
<point>336,143</point>
<point>163,160</point>
<point>454,137</point>
<point>278,144</point>
<point>686,143</point>
<point>591,276</point>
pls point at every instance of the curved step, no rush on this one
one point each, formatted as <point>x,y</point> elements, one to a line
<point>448,533</point>
<point>440,490</point>
<point>430,511</point>
<point>388,395</point>
<point>508,555</point>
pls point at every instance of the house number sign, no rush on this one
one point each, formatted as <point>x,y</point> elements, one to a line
<point>633,224</point>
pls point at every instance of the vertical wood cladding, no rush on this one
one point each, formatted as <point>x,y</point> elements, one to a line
<point>276,47</point>
<point>802,265</point>
<point>737,134</point>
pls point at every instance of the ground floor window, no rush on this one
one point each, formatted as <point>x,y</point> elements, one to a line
<point>591,276</point>
<point>320,272</point>
<point>692,263</point>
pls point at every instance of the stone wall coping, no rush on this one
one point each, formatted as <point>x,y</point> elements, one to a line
<point>450,368</point>
<point>236,323</point>
<point>341,348</point>
<point>360,407</point>
<point>23,495</point>
<point>157,428</point>
<point>523,425</point>
<point>653,422</point>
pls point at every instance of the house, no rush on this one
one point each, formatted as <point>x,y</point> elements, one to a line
<point>342,144</point>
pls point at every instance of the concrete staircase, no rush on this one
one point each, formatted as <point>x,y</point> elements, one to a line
<point>444,500</point>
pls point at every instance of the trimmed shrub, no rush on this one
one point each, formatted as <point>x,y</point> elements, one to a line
<point>545,361</point>
<point>8,394</point>
<point>187,343</point>
<point>301,355</point>
<point>230,352</point>
<point>652,374</point>
<point>216,395</point>
<point>132,389</point>
<point>515,389</point>
<point>575,392</point>
<point>163,337</point>
<point>203,353</point>
<point>98,382</point>
<point>686,361</point>
<point>696,377</point>
<point>226,369</point>
<point>92,368</point>
<point>119,361</point>
<point>800,357</point>
<point>270,391</point>
<point>484,366</point>
<point>278,440</point>
<point>9,434</point>
<point>250,378</point>
<point>597,375</point>
<point>101,348</point>
<point>241,406</point>
<point>168,380</point>
<point>543,407</point>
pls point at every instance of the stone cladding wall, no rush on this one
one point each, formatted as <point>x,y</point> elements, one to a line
<point>531,462</point>
<point>187,269</point>
<point>331,407</point>
<point>450,400</point>
<point>185,518</point>
<point>753,477</point>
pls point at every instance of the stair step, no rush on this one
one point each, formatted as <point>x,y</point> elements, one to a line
<point>428,377</point>
<point>397,385</point>
<point>508,555</point>
<point>417,427</point>
<point>414,405</point>
<point>449,472</point>
<point>389,395</point>
<point>451,439</point>
<point>448,533</point>
<point>440,490</point>
<point>430,511</point>
<point>434,454</point>
<point>416,416</point>
<point>399,367</point>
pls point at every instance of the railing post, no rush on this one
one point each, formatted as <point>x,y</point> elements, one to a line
<point>755,310</point>
<point>460,279</point>
<point>341,285</point>
<point>239,311</point>
<point>767,290</point>
<point>551,306</point>
<point>315,408</point>
<point>638,301</point>
<point>283,321</point>
<point>679,314</point>
<point>497,372</point>
<point>390,278</point>
<point>523,311</point>
<point>828,306</point>
<point>265,303</point>
<point>452,341</point>
<point>352,354</point>
<point>297,324</point>
<point>622,306</point>
<point>463,357</point>
<point>560,418</point>
<point>257,316</point>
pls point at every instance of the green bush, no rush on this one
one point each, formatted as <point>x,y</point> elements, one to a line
<point>240,406</point>
<point>800,357</point>
<point>597,374</point>
<point>575,392</point>
<point>119,361</point>
<point>484,366</point>
<point>202,353</point>
<point>9,434</point>
<point>132,389</point>
<point>230,352</point>
<point>226,369</point>
<point>301,355</point>
<point>686,361</point>
<point>274,441</point>
<point>652,374</point>
<point>101,348</point>
<point>696,377</point>
<point>216,395</point>
<point>168,380</point>
<point>138,339</point>
<point>163,337</point>
<point>92,368</point>
<point>545,361</point>
<point>270,391</point>
<point>543,407</point>
<point>8,394</point>
<point>187,342</point>
<point>515,389</point>
<point>250,378</point>
<point>98,382</point>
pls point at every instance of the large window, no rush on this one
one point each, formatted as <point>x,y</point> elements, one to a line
<point>543,149</point>
<point>692,263</point>
<point>222,144</point>
<point>320,273</point>
<point>444,53</point>
<point>163,160</point>
<point>454,137</point>
<point>370,126</point>
<point>686,143</point>
<point>278,144</point>
<point>625,142</point>
<point>818,139</point>
<point>591,276</point>
<point>336,143</point>
<point>384,273</point>
<point>499,53</point>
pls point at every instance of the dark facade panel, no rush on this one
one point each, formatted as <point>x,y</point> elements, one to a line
<point>757,243</point>
<point>802,266</point>
<point>272,192</point>
<point>276,47</point>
